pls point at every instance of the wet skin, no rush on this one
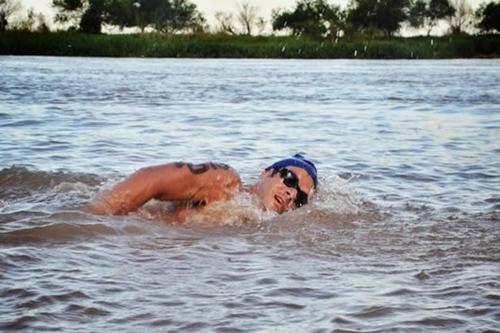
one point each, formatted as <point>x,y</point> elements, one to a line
<point>275,195</point>
<point>197,185</point>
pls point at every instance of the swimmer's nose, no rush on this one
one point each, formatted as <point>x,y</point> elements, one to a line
<point>289,195</point>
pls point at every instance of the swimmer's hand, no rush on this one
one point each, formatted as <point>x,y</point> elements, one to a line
<point>201,183</point>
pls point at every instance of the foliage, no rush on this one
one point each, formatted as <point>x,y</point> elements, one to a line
<point>439,9</point>
<point>7,8</point>
<point>93,17</point>
<point>225,46</point>
<point>88,13</point>
<point>489,16</point>
<point>314,18</point>
<point>27,24</point>
<point>162,15</point>
<point>427,13</point>
<point>176,15</point>
<point>417,16</point>
<point>32,22</point>
<point>385,15</point>
<point>123,13</point>
<point>462,19</point>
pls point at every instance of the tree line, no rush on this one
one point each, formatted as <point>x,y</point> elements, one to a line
<point>311,18</point>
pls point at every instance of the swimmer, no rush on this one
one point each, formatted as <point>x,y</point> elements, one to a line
<point>284,185</point>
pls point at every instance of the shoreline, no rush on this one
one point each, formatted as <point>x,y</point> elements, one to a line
<point>153,45</point>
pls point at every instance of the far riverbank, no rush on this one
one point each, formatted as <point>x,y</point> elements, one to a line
<point>224,46</point>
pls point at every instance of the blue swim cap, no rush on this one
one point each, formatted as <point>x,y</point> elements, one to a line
<point>299,161</point>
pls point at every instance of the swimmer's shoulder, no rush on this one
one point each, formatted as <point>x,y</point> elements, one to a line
<point>209,170</point>
<point>211,180</point>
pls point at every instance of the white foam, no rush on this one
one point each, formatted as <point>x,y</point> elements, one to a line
<point>243,208</point>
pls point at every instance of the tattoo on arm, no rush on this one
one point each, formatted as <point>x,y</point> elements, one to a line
<point>216,166</point>
<point>203,167</point>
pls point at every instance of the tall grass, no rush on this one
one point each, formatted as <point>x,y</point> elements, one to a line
<point>223,46</point>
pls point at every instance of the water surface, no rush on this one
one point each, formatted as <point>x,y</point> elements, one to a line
<point>402,236</point>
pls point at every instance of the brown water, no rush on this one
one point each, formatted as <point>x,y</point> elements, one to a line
<point>402,236</point>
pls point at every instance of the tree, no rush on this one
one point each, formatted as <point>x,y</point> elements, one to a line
<point>225,23</point>
<point>7,8</point>
<point>144,12</point>
<point>123,13</point>
<point>247,16</point>
<point>427,14</point>
<point>489,17</point>
<point>89,13</point>
<point>462,18</point>
<point>385,15</point>
<point>29,23</point>
<point>177,15</point>
<point>93,18</point>
<point>438,10</point>
<point>42,25</point>
<point>417,15</point>
<point>163,15</point>
<point>315,18</point>
<point>134,13</point>
<point>68,12</point>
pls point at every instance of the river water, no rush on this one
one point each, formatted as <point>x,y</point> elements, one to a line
<point>402,236</point>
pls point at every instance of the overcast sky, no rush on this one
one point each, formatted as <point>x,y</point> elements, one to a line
<point>209,7</point>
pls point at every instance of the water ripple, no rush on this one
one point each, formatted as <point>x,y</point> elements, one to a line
<point>401,236</point>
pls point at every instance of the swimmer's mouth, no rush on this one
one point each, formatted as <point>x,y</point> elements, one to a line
<point>280,202</point>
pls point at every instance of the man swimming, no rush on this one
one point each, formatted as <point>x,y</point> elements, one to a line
<point>285,185</point>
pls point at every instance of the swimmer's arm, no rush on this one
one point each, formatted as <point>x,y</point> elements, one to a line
<point>173,182</point>
<point>139,188</point>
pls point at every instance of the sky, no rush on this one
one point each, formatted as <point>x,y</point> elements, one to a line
<point>209,7</point>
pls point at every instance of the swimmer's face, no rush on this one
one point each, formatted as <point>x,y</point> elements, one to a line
<point>280,190</point>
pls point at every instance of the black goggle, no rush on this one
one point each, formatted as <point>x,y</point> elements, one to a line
<point>291,180</point>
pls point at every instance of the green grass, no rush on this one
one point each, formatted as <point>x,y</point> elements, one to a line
<point>223,46</point>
